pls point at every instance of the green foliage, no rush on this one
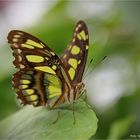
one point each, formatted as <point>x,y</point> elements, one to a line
<point>121,127</point>
<point>7,102</point>
<point>39,123</point>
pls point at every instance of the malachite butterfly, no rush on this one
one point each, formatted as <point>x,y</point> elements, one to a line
<point>42,77</point>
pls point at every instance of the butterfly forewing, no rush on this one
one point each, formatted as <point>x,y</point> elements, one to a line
<point>28,87</point>
<point>30,51</point>
<point>75,56</point>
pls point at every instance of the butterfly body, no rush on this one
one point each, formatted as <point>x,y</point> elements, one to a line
<point>44,78</point>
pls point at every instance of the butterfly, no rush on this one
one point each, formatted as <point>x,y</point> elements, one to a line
<point>44,79</point>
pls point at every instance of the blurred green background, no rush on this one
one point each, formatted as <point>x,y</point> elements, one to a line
<point>113,86</point>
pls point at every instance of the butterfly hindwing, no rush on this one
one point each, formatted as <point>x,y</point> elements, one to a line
<point>36,87</point>
<point>27,86</point>
<point>75,56</point>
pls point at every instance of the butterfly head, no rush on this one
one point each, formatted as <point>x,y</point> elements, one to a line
<point>80,88</point>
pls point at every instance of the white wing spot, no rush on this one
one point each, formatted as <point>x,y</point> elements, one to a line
<point>19,51</point>
<point>19,58</point>
<point>52,53</point>
<point>76,29</point>
<point>21,66</point>
<point>79,25</point>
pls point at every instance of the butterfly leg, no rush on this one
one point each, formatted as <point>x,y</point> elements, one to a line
<point>85,98</point>
<point>58,115</point>
<point>73,112</point>
<point>88,106</point>
<point>83,93</point>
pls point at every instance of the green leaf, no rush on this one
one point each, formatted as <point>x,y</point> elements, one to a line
<point>38,123</point>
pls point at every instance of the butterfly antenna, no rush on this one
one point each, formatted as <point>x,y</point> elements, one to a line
<point>94,68</point>
<point>88,66</point>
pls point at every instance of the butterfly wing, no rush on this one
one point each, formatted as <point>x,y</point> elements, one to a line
<point>30,52</point>
<point>75,56</point>
<point>39,77</point>
<point>36,88</point>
